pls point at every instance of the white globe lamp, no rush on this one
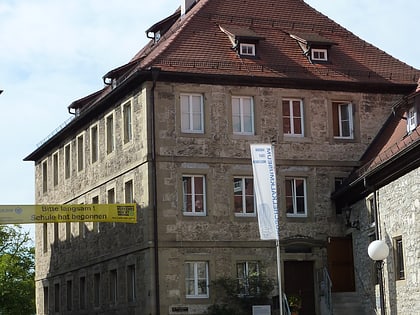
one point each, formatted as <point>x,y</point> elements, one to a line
<point>378,250</point>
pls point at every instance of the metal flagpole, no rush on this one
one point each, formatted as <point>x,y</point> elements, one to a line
<point>279,277</point>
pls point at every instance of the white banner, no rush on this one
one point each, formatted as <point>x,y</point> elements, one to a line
<point>263,166</point>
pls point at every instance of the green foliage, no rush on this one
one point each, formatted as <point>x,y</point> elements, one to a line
<point>232,299</point>
<point>17,263</point>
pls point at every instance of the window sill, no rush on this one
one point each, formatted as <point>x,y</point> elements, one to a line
<point>194,214</point>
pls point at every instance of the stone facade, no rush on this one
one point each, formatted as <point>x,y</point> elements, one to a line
<point>73,259</point>
<point>398,207</point>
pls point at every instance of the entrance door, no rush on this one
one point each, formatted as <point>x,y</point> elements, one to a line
<point>340,264</point>
<point>299,280</point>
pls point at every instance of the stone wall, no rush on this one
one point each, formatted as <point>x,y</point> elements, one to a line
<point>398,206</point>
<point>220,237</point>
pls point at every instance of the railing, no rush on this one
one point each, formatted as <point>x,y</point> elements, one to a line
<point>326,285</point>
<point>56,130</point>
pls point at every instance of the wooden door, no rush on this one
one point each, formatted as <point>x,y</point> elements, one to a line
<point>299,280</point>
<point>340,264</point>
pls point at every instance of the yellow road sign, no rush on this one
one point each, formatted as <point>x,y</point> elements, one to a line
<point>21,214</point>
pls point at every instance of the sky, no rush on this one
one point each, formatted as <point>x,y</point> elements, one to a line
<point>55,52</point>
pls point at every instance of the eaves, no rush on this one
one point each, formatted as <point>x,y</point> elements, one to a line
<point>397,166</point>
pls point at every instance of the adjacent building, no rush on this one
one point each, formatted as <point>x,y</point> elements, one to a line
<point>171,131</point>
<point>382,199</point>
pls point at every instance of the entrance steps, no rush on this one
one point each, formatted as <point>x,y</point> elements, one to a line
<point>346,303</point>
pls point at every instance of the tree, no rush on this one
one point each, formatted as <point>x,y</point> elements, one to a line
<point>17,271</point>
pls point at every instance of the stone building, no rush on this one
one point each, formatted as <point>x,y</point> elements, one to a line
<point>383,200</point>
<point>171,130</point>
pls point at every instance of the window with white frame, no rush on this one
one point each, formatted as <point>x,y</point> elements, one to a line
<point>110,136</point>
<point>127,112</point>
<point>411,119</point>
<point>67,161</point>
<point>194,196</point>
<point>243,115</point>
<point>243,192</point>
<point>295,193</point>
<point>247,49</point>
<point>94,144</point>
<point>293,117</point>
<point>192,115</point>
<point>248,274</point>
<point>319,54</point>
<point>342,120</point>
<point>80,152</point>
<point>197,279</point>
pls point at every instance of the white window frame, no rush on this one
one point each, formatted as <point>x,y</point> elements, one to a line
<point>411,119</point>
<point>196,280</point>
<point>316,52</point>
<point>243,279</point>
<point>292,117</point>
<point>189,113</point>
<point>239,114</point>
<point>341,120</point>
<point>127,121</point>
<point>80,149</point>
<point>246,49</point>
<point>110,134</point>
<point>194,211</point>
<point>94,145</point>
<point>295,197</point>
<point>236,188</point>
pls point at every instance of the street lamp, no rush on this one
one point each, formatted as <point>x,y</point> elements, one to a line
<point>379,251</point>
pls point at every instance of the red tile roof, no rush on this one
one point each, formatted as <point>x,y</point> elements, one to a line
<point>196,44</point>
<point>393,139</point>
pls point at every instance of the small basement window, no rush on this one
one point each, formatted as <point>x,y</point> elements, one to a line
<point>247,49</point>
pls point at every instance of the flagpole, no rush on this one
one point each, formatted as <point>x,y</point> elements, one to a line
<point>265,186</point>
<point>278,251</point>
<point>279,276</point>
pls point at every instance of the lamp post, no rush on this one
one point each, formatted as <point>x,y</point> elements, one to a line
<point>378,251</point>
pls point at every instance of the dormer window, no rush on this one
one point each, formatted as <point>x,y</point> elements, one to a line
<point>315,47</point>
<point>411,119</point>
<point>319,54</point>
<point>244,41</point>
<point>247,49</point>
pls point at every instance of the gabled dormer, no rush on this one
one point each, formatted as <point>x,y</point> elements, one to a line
<point>315,47</point>
<point>157,30</point>
<point>244,40</point>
